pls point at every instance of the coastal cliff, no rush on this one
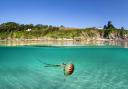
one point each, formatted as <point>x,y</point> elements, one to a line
<point>15,31</point>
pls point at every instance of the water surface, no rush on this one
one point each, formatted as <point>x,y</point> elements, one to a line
<point>121,43</point>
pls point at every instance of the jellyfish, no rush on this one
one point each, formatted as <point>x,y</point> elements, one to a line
<point>68,69</point>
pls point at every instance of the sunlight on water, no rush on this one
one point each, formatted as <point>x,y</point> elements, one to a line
<point>95,68</point>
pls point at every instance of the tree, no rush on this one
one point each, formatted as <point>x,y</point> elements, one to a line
<point>22,27</point>
<point>122,28</point>
<point>9,26</point>
<point>29,26</point>
<point>110,25</point>
<point>105,27</point>
<point>62,26</point>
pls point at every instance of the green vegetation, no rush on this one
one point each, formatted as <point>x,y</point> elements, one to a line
<point>12,30</point>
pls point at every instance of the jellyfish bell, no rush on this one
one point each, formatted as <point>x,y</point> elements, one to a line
<point>68,69</point>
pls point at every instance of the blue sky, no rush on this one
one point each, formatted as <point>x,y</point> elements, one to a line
<point>70,13</point>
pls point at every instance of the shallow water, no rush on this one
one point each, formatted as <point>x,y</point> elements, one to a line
<point>95,68</point>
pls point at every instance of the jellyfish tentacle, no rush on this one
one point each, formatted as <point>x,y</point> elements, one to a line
<point>51,65</point>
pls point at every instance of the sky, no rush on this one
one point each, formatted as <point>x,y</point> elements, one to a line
<point>70,13</point>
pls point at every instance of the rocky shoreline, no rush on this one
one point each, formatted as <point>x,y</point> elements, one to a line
<point>63,42</point>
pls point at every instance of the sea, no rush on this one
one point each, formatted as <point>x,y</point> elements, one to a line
<point>95,67</point>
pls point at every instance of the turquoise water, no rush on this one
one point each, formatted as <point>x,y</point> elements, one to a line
<point>95,68</point>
